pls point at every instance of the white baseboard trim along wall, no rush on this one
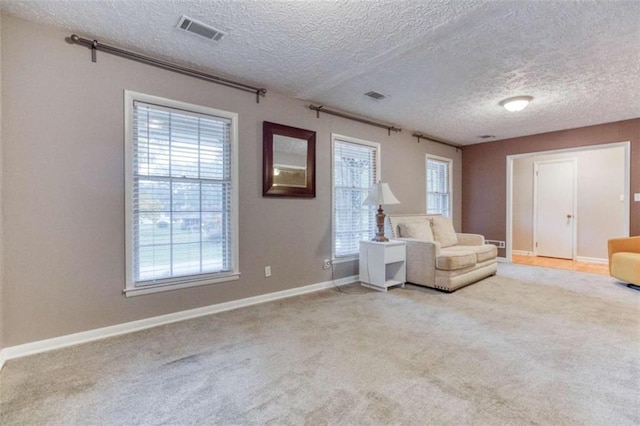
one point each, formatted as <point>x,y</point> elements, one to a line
<point>522,252</point>
<point>578,258</point>
<point>591,259</point>
<point>18,351</point>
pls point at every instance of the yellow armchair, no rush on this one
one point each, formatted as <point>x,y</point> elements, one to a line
<point>624,260</point>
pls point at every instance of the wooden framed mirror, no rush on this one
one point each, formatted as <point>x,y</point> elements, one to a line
<point>288,161</point>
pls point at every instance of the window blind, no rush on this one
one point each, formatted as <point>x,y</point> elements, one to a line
<point>354,172</point>
<point>438,187</point>
<point>182,190</point>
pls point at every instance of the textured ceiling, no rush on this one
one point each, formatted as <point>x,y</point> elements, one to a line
<point>445,65</point>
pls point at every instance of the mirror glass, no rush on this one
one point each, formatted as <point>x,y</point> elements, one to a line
<point>289,161</point>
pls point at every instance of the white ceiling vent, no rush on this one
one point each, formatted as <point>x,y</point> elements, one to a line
<point>375,95</point>
<point>197,27</point>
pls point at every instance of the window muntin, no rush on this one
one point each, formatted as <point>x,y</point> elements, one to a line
<point>356,166</point>
<point>439,186</point>
<point>182,195</point>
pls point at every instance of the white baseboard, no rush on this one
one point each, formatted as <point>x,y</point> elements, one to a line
<point>31,348</point>
<point>591,259</point>
<point>522,253</point>
<point>501,259</point>
<point>578,258</point>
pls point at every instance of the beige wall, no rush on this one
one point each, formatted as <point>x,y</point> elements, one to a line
<point>64,187</point>
<point>484,180</point>
<point>600,213</point>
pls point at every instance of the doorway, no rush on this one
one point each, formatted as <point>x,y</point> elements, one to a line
<point>554,206</point>
<point>601,202</point>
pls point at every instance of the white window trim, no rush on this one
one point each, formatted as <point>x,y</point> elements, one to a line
<point>426,189</point>
<point>376,146</point>
<point>191,280</point>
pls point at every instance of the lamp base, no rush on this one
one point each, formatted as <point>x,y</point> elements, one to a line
<point>380,224</point>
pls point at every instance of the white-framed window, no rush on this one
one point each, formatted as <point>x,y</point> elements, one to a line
<point>439,197</point>
<point>181,168</point>
<point>356,167</point>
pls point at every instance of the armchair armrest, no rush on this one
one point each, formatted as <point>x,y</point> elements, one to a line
<point>628,244</point>
<point>426,247</point>
<point>470,239</point>
<point>421,260</point>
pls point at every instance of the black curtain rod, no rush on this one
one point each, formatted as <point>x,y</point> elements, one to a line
<point>436,140</point>
<point>94,45</point>
<point>390,128</point>
<point>319,109</point>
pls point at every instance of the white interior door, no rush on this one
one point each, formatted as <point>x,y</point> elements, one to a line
<point>555,192</point>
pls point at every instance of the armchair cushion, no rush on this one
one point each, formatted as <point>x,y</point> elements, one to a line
<point>482,252</point>
<point>417,230</point>
<point>626,267</point>
<point>443,231</point>
<point>450,260</point>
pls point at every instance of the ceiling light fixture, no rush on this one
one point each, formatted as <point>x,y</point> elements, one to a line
<point>517,103</point>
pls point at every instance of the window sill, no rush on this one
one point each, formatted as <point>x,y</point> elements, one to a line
<point>156,288</point>
<point>345,259</point>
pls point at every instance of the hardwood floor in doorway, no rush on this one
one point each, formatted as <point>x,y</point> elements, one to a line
<point>572,265</point>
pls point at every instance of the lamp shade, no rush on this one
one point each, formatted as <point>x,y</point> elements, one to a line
<point>380,194</point>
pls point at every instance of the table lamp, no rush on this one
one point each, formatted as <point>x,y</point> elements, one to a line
<point>379,195</point>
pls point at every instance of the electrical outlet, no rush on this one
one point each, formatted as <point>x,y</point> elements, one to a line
<point>636,196</point>
<point>267,271</point>
<point>326,264</point>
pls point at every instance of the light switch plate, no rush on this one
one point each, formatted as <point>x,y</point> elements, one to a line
<point>636,196</point>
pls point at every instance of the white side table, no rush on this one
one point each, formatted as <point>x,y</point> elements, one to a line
<point>383,265</point>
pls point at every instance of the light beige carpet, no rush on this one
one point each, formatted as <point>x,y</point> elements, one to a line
<point>529,346</point>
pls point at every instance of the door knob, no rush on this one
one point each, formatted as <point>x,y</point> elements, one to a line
<point>569,216</point>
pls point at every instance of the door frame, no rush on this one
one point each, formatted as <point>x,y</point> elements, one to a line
<point>627,183</point>
<point>574,207</point>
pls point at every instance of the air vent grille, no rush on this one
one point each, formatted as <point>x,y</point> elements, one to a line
<point>375,95</point>
<point>497,243</point>
<point>486,136</point>
<point>197,27</point>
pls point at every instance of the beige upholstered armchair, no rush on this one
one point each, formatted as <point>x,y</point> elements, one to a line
<point>437,256</point>
<point>624,260</point>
